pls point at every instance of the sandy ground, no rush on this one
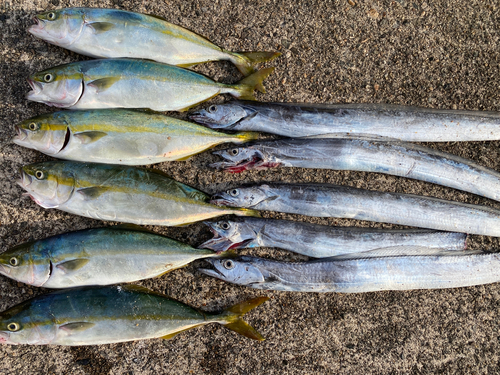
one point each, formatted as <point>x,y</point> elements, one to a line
<point>440,54</point>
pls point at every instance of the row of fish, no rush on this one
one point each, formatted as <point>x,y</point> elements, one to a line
<point>339,137</point>
<point>97,315</point>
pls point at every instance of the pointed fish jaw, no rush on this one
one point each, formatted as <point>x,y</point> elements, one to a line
<point>212,272</point>
<point>221,242</point>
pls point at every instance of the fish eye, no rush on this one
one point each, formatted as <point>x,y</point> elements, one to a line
<point>228,264</point>
<point>212,109</point>
<point>234,192</point>
<point>234,151</point>
<point>225,225</point>
<point>51,16</point>
<point>39,175</point>
<point>13,327</point>
<point>48,77</point>
<point>14,261</point>
<point>33,126</point>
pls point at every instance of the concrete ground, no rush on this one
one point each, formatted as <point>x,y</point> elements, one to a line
<point>439,54</point>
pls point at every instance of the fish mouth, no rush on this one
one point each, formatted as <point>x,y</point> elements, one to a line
<point>201,118</point>
<point>20,136</point>
<point>5,338</point>
<point>36,88</point>
<point>4,270</point>
<point>256,162</point>
<point>24,179</point>
<point>220,243</point>
<point>214,272</point>
<point>38,25</point>
<point>221,200</point>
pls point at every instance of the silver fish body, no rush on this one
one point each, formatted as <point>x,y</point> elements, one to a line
<point>100,256</point>
<point>131,83</point>
<point>323,200</point>
<point>118,193</point>
<point>118,136</point>
<point>395,158</point>
<point>360,275</point>
<point>110,314</point>
<point>321,241</point>
<point>338,120</point>
<point>115,33</point>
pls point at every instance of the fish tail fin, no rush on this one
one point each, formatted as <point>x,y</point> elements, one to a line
<point>244,89</point>
<point>246,61</point>
<point>234,318</point>
<point>246,212</point>
<point>243,137</point>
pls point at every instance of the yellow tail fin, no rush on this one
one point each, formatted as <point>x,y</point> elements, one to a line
<point>235,320</point>
<point>245,137</point>
<point>246,212</point>
<point>246,86</point>
<point>246,61</point>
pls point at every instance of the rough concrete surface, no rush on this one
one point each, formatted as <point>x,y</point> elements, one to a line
<point>440,54</point>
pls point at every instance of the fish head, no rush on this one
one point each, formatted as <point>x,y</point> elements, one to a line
<point>229,234</point>
<point>239,270</point>
<point>61,27</point>
<point>239,159</point>
<point>246,197</point>
<point>47,133</point>
<point>27,323</point>
<point>61,86</point>
<point>49,184</point>
<point>220,116</point>
<point>23,263</point>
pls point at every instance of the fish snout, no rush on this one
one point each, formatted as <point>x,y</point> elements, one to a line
<point>24,179</point>
<point>21,134</point>
<point>36,88</point>
<point>213,270</point>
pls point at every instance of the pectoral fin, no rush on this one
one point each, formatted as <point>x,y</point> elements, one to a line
<point>92,192</point>
<point>76,326</point>
<point>102,84</point>
<point>100,27</point>
<point>89,137</point>
<point>72,265</point>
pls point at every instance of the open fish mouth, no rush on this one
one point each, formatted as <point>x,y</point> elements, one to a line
<point>221,200</point>
<point>36,87</point>
<point>220,243</point>
<point>212,271</point>
<point>255,162</point>
<point>37,26</point>
<point>24,179</point>
<point>21,135</point>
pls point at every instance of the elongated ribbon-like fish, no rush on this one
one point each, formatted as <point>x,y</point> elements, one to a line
<point>399,158</point>
<point>118,193</point>
<point>104,315</point>
<point>321,241</point>
<point>359,275</point>
<point>129,83</point>
<point>323,200</point>
<point>101,256</point>
<point>112,33</point>
<point>118,136</point>
<point>339,120</point>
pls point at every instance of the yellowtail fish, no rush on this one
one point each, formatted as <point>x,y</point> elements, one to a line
<point>105,315</point>
<point>118,136</point>
<point>112,33</point>
<point>129,83</point>
<point>118,193</point>
<point>100,256</point>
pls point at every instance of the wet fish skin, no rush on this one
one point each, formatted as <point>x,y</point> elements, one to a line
<point>118,193</point>
<point>115,33</point>
<point>321,241</point>
<point>338,120</point>
<point>118,136</point>
<point>395,158</point>
<point>323,200</point>
<point>100,256</point>
<point>360,275</point>
<point>105,315</point>
<point>132,83</point>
